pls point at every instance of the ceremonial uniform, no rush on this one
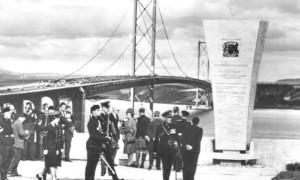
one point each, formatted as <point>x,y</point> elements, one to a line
<point>167,141</point>
<point>191,136</point>
<point>53,142</point>
<point>98,142</point>
<point>7,143</point>
<point>68,135</point>
<point>29,146</point>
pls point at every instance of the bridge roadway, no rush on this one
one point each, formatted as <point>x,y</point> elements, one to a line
<point>76,90</point>
<point>103,84</point>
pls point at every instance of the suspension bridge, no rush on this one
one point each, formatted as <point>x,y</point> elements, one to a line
<point>122,61</point>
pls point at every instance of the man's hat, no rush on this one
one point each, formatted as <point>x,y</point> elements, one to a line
<point>105,104</point>
<point>7,109</point>
<point>185,113</point>
<point>167,114</point>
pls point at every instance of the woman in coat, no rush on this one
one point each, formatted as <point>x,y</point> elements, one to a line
<point>130,130</point>
<point>53,144</point>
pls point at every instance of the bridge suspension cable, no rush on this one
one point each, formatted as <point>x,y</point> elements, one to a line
<point>116,59</point>
<point>100,50</point>
<point>160,14</point>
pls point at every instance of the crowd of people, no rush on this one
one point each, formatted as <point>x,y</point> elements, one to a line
<point>172,140</point>
<point>169,139</point>
<point>35,135</point>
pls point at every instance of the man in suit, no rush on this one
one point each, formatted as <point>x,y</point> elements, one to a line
<point>141,137</point>
<point>176,115</point>
<point>181,124</point>
<point>191,138</point>
<point>18,147</point>
<point>153,141</point>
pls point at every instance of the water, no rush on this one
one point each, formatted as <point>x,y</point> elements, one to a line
<point>267,124</point>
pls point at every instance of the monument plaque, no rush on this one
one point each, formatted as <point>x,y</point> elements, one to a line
<point>234,50</point>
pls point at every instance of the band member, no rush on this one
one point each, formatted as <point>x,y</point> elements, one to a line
<point>29,124</point>
<point>97,143</point>
<point>181,124</point>
<point>18,147</point>
<point>153,141</point>
<point>41,127</point>
<point>53,143</point>
<point>191,138</point>
<point>68,135</point>
<point>168,148</point>
<point>7,141</point>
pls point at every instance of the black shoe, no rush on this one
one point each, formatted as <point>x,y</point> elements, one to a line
<point>150,167</point>
<point>17,174</point>
<point>38,177</point>
<point>158,168</point>
<point>142,166</point>
<point>133,165</point>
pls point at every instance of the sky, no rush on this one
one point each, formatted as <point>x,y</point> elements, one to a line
<point>60,36</point>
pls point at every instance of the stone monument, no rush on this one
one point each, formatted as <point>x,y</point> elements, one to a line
<point>235,49</point>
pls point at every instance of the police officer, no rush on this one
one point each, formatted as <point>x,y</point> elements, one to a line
<point>181,124</point>
<point>7,141</point>
<point>98,142</point>
<point>168,147</point>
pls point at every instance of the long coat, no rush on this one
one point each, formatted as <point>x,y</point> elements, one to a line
<point>53,142</point>
<point>130,128</point>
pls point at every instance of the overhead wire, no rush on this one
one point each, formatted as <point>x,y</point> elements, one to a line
<point>151,44</point>
<point>169,41</point>
<point>116,59</point>
<point>98,52</point>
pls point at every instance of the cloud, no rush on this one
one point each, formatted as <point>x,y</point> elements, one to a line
<point>33,19</point>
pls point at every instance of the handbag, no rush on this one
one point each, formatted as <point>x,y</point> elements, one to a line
<point>130,138</point>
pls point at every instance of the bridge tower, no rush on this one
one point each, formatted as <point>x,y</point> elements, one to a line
<point>203,66</point>
<point>144,32</point>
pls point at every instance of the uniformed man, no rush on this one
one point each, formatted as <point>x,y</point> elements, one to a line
<point>191,138</point>
<point>181,124</point>
<point>111,133</point>
<point>98,142</point>
<point>168,148</point>
<point>7,141</point>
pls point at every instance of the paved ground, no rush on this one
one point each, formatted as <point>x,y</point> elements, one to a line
<point>75,171</point>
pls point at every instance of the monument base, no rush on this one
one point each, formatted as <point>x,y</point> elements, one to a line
<point>228,156</point>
